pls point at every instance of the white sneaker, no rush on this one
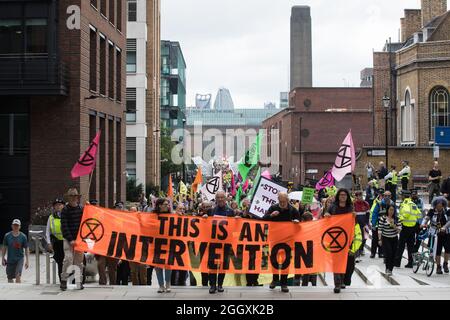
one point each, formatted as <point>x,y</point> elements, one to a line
<point>168,288</point>
<point>161,289</point>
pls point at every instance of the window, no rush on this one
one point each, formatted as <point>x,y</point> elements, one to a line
<point>111,70</point>
<point>102,65</point>
<point>112,6</point>
<point>93,61</point>
<point>11,36</point>
<point>94,3</point>
<point>407,120</point>
<point>165,92</point>
<point>131,55</point>
<point>131,104</point>
<point>103,7</point>
<point>439,110</point>
<point>132,10</point>
<point>14,134</point>
<point>131,158</point>
<point>118,74</point>
<point>119,14</point>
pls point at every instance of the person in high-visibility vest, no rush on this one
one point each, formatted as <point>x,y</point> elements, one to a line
<point>53,235</point>
<point>356,245</point>
<point>405,175</point>
<point>331,191</point>
<point>409,213</point>
<point>391,183</point>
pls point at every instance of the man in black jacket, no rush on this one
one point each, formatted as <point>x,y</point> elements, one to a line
<point>71,216</point>
<point>282,212</point>
<point>445,188</point>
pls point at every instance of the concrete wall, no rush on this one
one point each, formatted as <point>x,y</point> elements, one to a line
<point>301,47</point>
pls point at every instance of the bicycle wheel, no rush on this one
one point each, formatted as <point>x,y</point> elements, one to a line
<point>430,268</point>
<point>416,266</point>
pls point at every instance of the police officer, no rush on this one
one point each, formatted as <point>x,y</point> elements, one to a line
<point>419,202</point>
<point>405,175</point>
<point>54,237</point>
<point>391,183</point>
<point>409,213</point>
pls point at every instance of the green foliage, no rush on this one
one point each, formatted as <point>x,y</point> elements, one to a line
<point>134,191</point>
<point>167,145</point>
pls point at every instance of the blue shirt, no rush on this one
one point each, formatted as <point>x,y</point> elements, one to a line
<point>16,246</point>
<point>222,211</point>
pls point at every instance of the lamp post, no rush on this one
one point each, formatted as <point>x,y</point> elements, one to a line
<point>184,146</point>
<point>386,105</point>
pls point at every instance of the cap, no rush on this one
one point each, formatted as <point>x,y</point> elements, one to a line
<point>93,202</point>
<point>381,190</point>
<point>118,204</point>
<point>17,222</point>
<point>58,201</point>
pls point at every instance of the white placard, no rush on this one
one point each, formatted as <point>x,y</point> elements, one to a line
<point>265,196</point>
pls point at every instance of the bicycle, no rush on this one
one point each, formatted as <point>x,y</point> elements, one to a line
<point>426,257</point>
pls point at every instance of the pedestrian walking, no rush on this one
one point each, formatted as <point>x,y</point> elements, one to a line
<point>434,177</point>
<point>15,248</point>
<point>282,212</point>
<point>362,209</point>
<point>388,231</point>
<point>71,216</point>
<point>409,213</point>
<point>439,219</point>
<point>54,236</point>
<point>123,266</point>
<point>391,180</point>
<point>162,206</point>
<point>405,175</point>
<point>445,188</point>
<point>378,211</point>
<point>341,205</point>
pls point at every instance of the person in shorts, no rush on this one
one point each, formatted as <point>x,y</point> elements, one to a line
<point>15,246</point>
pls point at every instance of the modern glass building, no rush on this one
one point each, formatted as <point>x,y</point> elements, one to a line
<point>173,86</point>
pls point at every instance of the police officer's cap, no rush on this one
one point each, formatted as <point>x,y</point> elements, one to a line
<point>58,201</point>
<point>93,202</point>
<point>381,191</point>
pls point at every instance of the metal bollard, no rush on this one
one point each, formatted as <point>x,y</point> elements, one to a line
<point>54,271</point>
<point>38,262</point>
<point>47,267</point>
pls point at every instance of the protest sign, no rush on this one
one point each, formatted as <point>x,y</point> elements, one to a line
<point>266,195</point>
<point>308,195</point>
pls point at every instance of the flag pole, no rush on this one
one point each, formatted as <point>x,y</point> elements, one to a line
<point>90,181</point>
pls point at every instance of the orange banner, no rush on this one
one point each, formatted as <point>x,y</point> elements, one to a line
<point>218,244</point>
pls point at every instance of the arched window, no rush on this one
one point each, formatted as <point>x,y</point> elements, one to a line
<point>407,120</point>
<point>439,110</point>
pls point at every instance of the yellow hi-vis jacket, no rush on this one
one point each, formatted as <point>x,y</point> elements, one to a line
<point>55,227</point>
<point>357,240</point>
<point>394,179</point>
<point>409,213</point>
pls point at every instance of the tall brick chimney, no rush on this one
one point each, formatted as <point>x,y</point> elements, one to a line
<point>411,23</point>
<point>432,9</point>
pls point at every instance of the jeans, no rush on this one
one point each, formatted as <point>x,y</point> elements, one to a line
<point>216,279</point>
<point>350,269</point>
<point>434,190</point>
<point>58,254</point>
<point>162,274</point>
<point>375,246</point>
<point>72,260</point>
<point>405,184</point>
<point>389,249</point>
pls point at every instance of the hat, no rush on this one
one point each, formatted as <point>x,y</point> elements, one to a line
<point>73,192</point>
<point>17,222</point>
<point>381,190</point>
<point>118,204</point>
<point>93,202</point>
<point>358,193</point>
<point>406,193</point>
<point>58,201</point>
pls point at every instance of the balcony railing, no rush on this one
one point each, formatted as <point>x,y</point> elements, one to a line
<point>32,74</point>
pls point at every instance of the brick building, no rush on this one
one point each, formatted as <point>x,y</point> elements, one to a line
<point>313,127</point>
<point>415,75</point>
<point>62,78</point>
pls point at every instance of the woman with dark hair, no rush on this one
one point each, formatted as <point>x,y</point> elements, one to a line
<point>388,231</point>
<point>162,206</point>
<point>341,205</point>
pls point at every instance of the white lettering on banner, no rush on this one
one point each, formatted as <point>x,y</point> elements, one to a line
<point>265,196</point>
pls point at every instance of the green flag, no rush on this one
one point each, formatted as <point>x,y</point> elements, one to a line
<point>255,184</point>
<point>251,158</point>
<point>238,196</point>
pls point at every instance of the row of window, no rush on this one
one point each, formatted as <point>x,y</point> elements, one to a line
<point>110,61</point>
<point>111,9</point>
<point>439,114</point>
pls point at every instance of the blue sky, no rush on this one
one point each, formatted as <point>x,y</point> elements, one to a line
<point>243,45</point>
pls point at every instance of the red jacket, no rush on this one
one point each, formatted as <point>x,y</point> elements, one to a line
<point>361,206</point>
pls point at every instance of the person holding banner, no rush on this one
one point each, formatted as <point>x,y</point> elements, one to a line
<point>71,216</point>
<point>283,211</point>
<point>162,206</point>
<point>222,210</point>
<point>342,205</point>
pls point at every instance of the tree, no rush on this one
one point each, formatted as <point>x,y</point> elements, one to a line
<point>167,145</point>
<point>134,191</point>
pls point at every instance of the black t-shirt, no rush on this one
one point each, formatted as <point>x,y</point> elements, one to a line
<point>335,209</point>
<point>435,173</point>
<point>441,219</point>
<point>286,214</point>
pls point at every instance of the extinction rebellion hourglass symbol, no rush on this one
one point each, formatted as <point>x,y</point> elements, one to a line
<point>88,159</point>
<point>343,160</point>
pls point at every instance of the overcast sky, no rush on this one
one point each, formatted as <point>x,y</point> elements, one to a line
<point>243,45</point>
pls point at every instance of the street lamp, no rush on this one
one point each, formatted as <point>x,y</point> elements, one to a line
<point>386,105</point>
<point>184,146</point>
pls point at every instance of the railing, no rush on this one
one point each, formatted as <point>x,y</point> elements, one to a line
<point>37,237</point>
<point>33,74</point>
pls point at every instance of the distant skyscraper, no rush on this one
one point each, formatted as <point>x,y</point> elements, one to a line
<point>301,47</point>
<point>223,100</point>
<point>270,106</point>
<point>367,78</point>
<point>203,101</point>
<point>284,100</point>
